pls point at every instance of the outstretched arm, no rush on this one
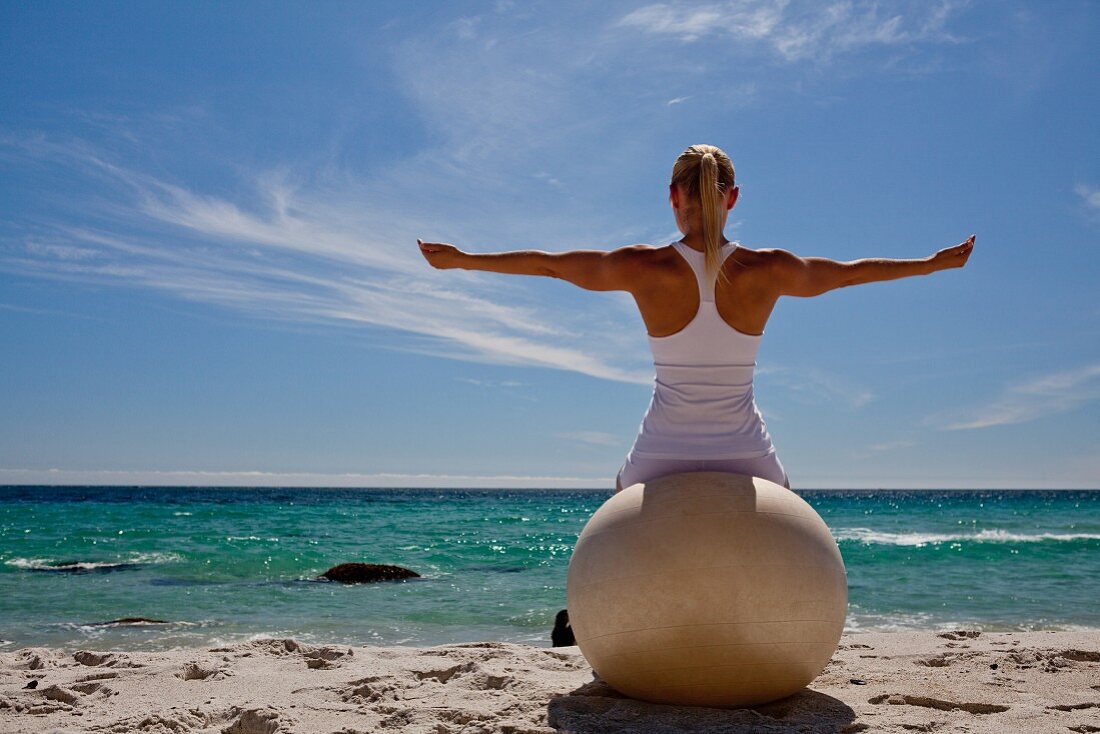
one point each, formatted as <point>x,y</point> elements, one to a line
<point>812,276</point>
<point>594,270</point>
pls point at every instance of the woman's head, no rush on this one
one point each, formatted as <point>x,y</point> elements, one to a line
<point>702,191</point>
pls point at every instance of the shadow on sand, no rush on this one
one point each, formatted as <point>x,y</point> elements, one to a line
<point>596,708</point>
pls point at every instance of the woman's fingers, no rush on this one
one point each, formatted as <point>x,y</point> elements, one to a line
<point>432,246</point>
<point>961,253</point>
<point>438,254</point>
<point>954,256</point>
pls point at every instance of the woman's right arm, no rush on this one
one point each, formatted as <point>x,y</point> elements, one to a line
<point>812,276</point>
<point>594,270</point>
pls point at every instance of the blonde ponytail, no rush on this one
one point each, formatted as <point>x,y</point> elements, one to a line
<point>710,198</point>
<point>705,174</point>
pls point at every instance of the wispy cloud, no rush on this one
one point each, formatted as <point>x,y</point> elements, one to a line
<point>810,384</point>
<point>1051,394</point>
<point>1090,195</point>
<point>489,383</point>
<point>798,31</point>
<point>296,253</point>
<point>891,446</point>
<point>688,22</point>
<point>593,438</point>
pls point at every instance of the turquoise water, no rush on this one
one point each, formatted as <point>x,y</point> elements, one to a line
<point>224,565</point>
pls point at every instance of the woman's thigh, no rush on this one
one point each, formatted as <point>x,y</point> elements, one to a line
<point>640,469</point>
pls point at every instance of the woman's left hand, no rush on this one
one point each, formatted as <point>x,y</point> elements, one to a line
<point>440,255</point>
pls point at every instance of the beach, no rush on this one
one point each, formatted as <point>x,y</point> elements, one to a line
<point>952,681</point>
<point>161,610</point>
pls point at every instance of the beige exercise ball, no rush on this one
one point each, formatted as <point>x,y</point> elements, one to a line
<point>707,589</point>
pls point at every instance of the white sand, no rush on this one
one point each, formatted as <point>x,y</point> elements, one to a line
<point>915,682</point>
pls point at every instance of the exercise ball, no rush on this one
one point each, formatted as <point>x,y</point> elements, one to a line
<point>707,589</point>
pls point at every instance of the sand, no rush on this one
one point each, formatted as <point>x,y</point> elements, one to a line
<point>962,681</point>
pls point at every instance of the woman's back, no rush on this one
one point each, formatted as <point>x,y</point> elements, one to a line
<point>668,292</point>
<point>702,405</point>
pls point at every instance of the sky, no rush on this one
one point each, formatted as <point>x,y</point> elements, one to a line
<point>209,274</point>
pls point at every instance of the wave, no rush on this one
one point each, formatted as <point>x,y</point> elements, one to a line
<point>96,628</point>
<point>879,537</point>
<point>135,560</point>
<point>867,621</point>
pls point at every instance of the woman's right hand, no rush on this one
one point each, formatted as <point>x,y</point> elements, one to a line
<point>440,255</point>
<point>953,257</point>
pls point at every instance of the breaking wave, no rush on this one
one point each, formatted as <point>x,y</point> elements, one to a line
<point>879,537</point>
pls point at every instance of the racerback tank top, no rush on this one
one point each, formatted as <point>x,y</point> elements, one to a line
<point>703,405</point>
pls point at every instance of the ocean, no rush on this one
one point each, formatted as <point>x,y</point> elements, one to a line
<point>223,565</point>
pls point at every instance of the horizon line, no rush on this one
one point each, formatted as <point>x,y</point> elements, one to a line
<point>509,488</point>
<point>56,477</point>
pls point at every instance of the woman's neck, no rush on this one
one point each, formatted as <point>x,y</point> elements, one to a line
<point>696,242</point>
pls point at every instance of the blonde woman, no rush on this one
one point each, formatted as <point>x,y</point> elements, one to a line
<point>705,302</point>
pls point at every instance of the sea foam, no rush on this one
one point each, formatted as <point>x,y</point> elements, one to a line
<point>870,536</point>
<point>53,564</point>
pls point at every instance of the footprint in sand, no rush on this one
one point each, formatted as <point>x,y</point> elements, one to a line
<point>936,661</point>
<point>233,720</point>
<point>255,721</point>
<point>53,698</point>
<point>445,674</point>
<point>199,670</point>
<point>371,690</point>
<point>105,659</point>
<point>1075,706</point>
<point>316,658</point>
<point>937,703</point>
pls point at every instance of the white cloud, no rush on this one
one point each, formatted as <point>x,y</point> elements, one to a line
<point>797,31</point>
<point>891,446</point>
<point>689,22</point>
<point>489,383</point>
<point>813,385</point>
<point>1051,394</point>
<point>60,252</point>
<point>594,438</point>
<point>1090,195</point>
<point>330,254</point>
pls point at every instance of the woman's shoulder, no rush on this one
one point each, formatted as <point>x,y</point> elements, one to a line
<point>748,257</point>
<point>643,254</point>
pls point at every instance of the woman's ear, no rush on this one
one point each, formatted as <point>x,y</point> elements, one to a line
<point>674,195</point>
<point>731,197</point>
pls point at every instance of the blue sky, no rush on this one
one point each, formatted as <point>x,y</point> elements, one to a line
<point>208,270</point>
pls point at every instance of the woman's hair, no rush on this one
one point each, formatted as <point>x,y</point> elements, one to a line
<point>705,174</point>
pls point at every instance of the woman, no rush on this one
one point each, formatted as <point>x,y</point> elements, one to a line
<point>705,302</point>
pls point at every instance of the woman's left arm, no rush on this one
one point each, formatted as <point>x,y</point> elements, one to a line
<point>594,270</point>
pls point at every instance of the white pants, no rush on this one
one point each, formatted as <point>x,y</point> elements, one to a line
<point>640,469</point>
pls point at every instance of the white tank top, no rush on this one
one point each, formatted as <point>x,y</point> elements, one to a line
<point>703,405</point>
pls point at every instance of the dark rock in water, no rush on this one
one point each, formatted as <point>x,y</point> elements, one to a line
<point>562,635</point>
<point>362,573</point>
<point>128,620</point>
